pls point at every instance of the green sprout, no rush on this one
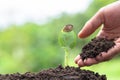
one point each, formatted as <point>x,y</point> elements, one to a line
<point>67,40</point>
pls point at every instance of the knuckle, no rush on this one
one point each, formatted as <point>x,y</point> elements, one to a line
<point>102,9</point>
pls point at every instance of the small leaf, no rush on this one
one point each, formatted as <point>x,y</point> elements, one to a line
<point>67,38</point>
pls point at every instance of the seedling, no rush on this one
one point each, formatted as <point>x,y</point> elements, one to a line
<point>67,40</point>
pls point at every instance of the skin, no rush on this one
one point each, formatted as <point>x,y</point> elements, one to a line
<point>109,18</point>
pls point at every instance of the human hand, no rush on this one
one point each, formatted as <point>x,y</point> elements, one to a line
<point>109,16</point>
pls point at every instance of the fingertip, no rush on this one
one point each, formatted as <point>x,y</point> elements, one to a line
<point>80,63</point>
<point>86,62</point>
<point>81,34</point>
<point>77,59</point>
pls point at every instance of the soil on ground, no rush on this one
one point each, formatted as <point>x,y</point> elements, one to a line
<point>59,73</point>
<point>95,47</point>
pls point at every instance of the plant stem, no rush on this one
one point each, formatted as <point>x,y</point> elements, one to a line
<point>66,56</point>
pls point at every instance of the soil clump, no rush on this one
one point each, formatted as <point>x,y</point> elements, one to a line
<point>95,47</point>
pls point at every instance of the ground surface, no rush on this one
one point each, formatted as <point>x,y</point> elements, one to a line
<point>59,73</point>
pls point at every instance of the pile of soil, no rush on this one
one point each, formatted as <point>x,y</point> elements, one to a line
<point>95,47</point>
<point>59,73</point>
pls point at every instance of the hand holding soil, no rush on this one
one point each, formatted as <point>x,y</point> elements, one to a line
<point>109,17</point>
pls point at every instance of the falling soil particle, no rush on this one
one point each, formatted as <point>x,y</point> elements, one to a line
<point>95,47</point>
<point>59,73</point>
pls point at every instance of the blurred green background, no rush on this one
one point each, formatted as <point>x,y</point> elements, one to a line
<point>33,47</point>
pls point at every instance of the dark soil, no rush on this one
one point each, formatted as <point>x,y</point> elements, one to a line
<point>59,73</point>
<point>95,47</point>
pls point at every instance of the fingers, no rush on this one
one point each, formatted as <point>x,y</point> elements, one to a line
<point>92,24</point>
<point>77,58</point>
<point>86,62</point>
<point>104,56</point>
<point>79,61</point>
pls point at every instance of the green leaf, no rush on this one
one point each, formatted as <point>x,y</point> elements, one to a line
<point>67,39</point>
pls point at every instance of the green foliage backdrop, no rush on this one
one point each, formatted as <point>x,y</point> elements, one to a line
<point>32,47</point>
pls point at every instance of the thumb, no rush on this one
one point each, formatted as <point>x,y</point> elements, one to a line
<point>92,24</point>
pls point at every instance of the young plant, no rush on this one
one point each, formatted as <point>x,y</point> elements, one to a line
<point>67,40</point>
